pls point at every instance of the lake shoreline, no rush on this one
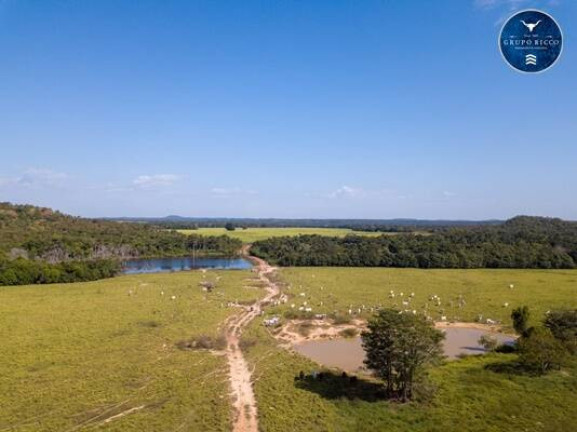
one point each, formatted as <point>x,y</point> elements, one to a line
<point>184,263</point>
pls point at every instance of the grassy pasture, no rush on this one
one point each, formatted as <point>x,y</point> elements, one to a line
<point>485,292</point>
<point>251,235</point>
<point>470,395</point>
<point>73,356</point>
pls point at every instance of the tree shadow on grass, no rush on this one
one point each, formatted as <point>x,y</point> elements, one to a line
<point>331,385</point>
<point>509,368</point>
<point>474,349</point>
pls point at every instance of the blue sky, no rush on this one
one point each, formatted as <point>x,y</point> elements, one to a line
<point>328,109</point>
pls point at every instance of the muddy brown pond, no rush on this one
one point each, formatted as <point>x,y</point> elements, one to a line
<point>348,354</point>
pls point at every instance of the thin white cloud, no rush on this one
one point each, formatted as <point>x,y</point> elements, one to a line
<point>448,194</point>
<point>506,8</point>
<point>349,192</point>
<point>112,187</point>
<point>507,4</point>
<point>42,177</point>
<point>511,6</point>
<point>36,177</point>
<point>485,4</point>
<point>156,180</point>
<point>220,191</point>
<point>5,181</point>
<point>346,192</point>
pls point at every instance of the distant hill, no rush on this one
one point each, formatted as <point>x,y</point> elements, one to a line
<point>174,218</point>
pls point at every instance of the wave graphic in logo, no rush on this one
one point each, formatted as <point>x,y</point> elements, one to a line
<point>531,59</point>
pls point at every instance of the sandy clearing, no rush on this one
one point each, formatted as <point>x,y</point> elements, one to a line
<point>289,334</point>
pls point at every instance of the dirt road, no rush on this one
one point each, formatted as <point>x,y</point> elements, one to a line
<point>245,418</point>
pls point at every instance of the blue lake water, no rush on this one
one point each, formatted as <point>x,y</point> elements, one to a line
<point>162,265</point>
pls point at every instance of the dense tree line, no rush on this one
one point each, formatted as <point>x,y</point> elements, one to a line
<point>378,225</point>
<point>522,242</point>
<point>24,272</point>
<point>39,245</point>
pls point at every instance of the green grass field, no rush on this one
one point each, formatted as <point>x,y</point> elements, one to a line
<point>485,292</point>
<point>73,356</point>
<point>251,235</point>
<point>469,395</point>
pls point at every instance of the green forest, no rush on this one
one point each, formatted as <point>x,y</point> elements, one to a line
<point>522,242</point>
<point>39,245</point>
